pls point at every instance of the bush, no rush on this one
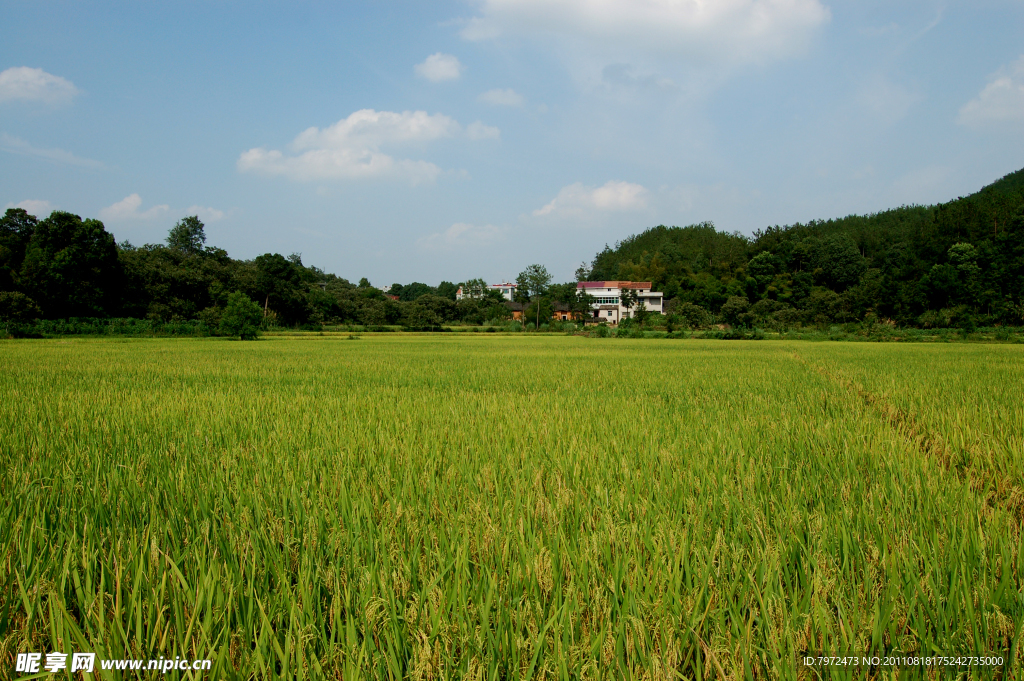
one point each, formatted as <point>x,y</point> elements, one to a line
<point>693,316</point>
<point>734,311</point>
<point>91,326</point>
<point>211,316</point>
<point>958,317</point>
<point>629,330</point>
<point>17,307</point>
<point>784,319</point>
<point>242,317</point>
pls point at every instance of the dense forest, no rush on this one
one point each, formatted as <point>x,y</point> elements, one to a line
<point>957,264</point>
<point>64,267</point>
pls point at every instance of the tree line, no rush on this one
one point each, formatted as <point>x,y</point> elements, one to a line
<point>956,264</point>
<point>65,267</point>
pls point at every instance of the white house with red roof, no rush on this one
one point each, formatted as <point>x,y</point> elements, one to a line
<point>607,295</point>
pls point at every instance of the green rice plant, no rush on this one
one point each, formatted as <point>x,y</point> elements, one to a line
<point>490,506</point>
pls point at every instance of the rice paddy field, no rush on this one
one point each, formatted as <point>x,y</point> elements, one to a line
<point>511,507</point>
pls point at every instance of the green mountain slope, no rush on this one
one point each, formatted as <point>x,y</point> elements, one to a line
<point>957,263</point>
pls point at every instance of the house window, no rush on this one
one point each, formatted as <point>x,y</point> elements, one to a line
<point>609,313</point>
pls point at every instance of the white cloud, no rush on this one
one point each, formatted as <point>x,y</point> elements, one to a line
<point>16,145</point>
<point>719,30</point>
<point>499,97</point>
<point>40,209</point>
<point>128,209</point>
<point>205,213</point>
<point>577,199</point>
<point>1002,100</point>
<point>479,131</point>
<point>352,147</point>
<point>462,234</point>
<point>439,67</point>
<point>35,85</point>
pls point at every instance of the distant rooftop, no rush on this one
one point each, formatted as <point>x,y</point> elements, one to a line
<point>614,284</point>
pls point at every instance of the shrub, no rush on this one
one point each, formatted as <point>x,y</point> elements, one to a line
<point>211,316</point>
<point>17,307</point>
<point>242,317</point>
<point>693,316</point>
<point>734,312</point>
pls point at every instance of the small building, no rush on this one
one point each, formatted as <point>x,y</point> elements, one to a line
<point>506,289</point>
<point>607,296</point>
<point>607,313</point>
<point>562,313</point>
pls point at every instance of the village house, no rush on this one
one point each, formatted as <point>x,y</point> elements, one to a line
<point>507,291</point>
<point>607,305</point>
<point>560,312</point>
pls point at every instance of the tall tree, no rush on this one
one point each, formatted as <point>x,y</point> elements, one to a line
<point>447,289</point>
<point>71,268</point>
<point>628,298</point>
<point>280,287</point>
<point>535,280</point>
<point>16,228</point>
<point>582,305</point>
<point>474,288</point>
<point>188,235</point>
<point>412,291</point>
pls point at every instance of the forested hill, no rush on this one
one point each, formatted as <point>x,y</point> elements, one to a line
<point>65,267</point>
<point>951,264</point>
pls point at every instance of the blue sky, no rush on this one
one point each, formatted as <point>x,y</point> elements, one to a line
<point>450,140</point>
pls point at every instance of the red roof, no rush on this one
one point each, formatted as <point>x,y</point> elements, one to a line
<point>613,284</point>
